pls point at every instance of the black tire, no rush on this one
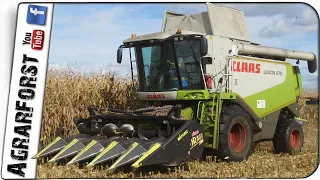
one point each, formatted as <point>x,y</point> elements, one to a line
<point>288,137</point>
<point>235,134</point>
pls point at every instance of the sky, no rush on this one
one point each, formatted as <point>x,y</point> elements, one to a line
<point>86,36</point>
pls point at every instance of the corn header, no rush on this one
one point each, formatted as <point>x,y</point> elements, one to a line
<point>217,91</point>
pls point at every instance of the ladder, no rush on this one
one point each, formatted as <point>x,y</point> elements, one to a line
<point>209,117</point>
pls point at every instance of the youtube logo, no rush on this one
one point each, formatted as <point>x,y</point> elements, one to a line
<point>35,39</point>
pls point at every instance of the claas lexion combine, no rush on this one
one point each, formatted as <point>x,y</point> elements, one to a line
<point>217,91</point>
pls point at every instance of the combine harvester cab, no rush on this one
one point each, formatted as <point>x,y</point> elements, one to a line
<point>217,91</point>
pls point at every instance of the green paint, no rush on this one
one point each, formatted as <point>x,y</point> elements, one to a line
<point>210,120</point>
<point>193,95</point>
<point>228,95</point>
<point>108,148</point>
<point>300,119</point>
<point>46,148</point>
<point>150,151</point>
<point>298,80</point>
<point>92,143</point>
<point>200,111</point>
<point>276,97</point>
<point>64,149</point>
<point>132,146</point>
<point>182,135</point>
<point>187,113</point>
<point>217,107</point>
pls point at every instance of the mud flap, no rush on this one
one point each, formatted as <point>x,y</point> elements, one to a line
<point>184,145</point>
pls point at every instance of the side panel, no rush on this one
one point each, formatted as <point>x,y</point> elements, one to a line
<point>266,86</point>
<point>220,50</point>
<point>294,109</point>
<point>269,124</point>
<point>253,76</point>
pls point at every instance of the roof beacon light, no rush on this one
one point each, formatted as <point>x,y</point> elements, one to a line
<point>133,35</point>
<point>179,31</point>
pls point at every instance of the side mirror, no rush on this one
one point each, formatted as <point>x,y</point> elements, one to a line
<point>203,46</point>
<point>119,55</point>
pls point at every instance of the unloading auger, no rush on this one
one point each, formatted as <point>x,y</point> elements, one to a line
<point>217,90</point>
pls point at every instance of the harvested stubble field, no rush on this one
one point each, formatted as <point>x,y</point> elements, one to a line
<point>69,93</point>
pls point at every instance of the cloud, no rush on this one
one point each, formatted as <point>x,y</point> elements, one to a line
<point>267,9</point>
<point>308,18</point>
<point>249,9</point>
<point>287,10</point>
<point>186,8</point>
<point>304,22</point>
<point>310,82</point>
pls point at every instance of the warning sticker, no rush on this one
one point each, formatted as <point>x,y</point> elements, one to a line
<point>261,103</point>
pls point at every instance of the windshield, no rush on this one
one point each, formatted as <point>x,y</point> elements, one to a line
<point>169,66</point>
<point>188,57</point>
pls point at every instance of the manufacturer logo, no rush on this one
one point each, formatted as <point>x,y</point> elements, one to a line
<point>195,133</point>
<point>36,14</point>
<point>245,67</point>
<point>156,96</point>
<point>196,140</point>
<point>35,39</point>
<point>182,135</point>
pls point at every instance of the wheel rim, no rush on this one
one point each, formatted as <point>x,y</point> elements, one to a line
<point>295,139</point>
<point>237,137</point>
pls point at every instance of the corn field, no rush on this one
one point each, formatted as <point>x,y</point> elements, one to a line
<point>69,93</point>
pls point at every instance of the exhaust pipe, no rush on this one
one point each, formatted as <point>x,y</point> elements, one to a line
<point>249,49</point>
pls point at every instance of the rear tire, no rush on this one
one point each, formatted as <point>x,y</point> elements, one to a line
<point>235,134</point>
<point>288,137</point>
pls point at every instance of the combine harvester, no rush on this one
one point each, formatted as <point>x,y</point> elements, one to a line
<point>217,91</point>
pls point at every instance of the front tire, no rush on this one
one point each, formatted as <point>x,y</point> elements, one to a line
<point>236,137</point>
<point>288,137</point>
